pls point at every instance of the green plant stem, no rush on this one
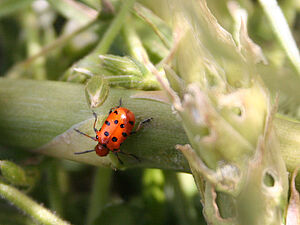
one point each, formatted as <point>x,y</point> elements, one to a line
<point>282,31</point>
<point>33,113</point>
<point>58,43</point>
<point>74,10</point>
<point>30,207</point>
<point>55,195</point>
<point>100,193</point>
<point>138,51</point>
<point>139,12</point>
<point>178,199</point>
<point>135,46</point>
<point>288,132</point>
<point>33,39</point>
<point>114,28</point>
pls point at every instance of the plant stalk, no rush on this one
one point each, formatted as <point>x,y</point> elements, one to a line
<point>33,113</point>
<point>282,31</point>
<point>100,193</point>
<point>114,28</point>
<point>30,207</point>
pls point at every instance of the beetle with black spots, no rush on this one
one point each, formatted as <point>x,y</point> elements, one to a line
<point>116,128</point>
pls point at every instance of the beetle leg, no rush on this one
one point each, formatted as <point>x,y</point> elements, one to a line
<point>95,115</point>
<point>120,104</point>
<point>141,125</point>
<point>120,161</point>
<point>78,131</point>
<point>132,155</point>
<point>112,109</point>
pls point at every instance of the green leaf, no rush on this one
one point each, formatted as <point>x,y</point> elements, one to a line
<point>13,173</point>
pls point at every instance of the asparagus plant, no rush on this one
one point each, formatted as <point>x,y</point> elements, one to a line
<point>228,115</point>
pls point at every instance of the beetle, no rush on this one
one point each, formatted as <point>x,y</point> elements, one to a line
<point>114,131</point>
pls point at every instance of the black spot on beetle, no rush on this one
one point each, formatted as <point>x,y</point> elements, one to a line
<point>114,139</point>
<point>122,125</point>
<point>131,122</point>
<point>107,123</point>
<point>104,145</point>
<point>116,112</point>
<point>116,121</point>
<point>106,133</point>
<point>124,134</point>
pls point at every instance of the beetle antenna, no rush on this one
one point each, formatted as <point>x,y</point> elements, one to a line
<point>78,131</point>
<point>120,104</point>
<point>78,153</point>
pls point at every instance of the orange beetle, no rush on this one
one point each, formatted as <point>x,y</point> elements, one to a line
<point>116,128</point>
